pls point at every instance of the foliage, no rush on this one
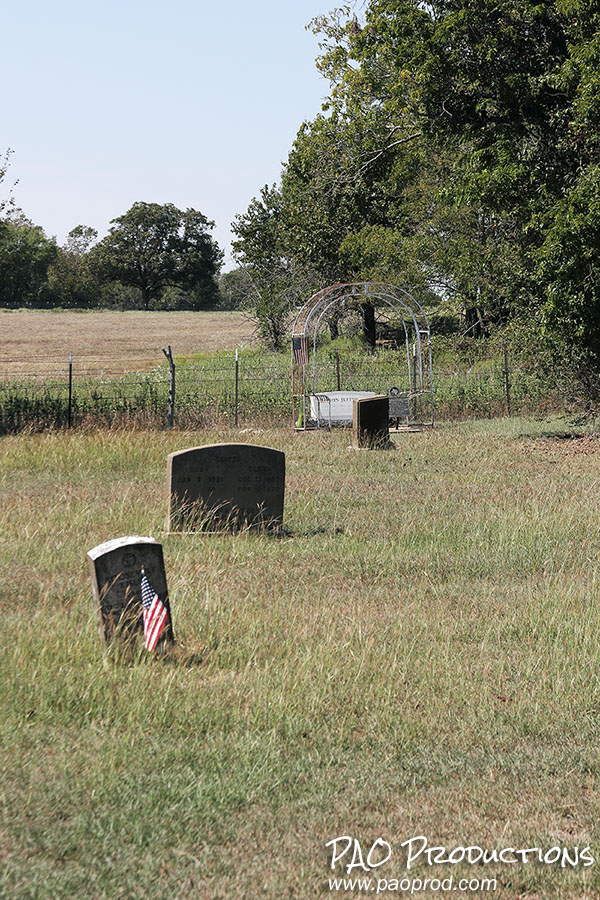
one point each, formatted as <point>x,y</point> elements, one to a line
<point>235,288</point>
<point>6,202</point>
<point>505,94</point>
<point>71,277</point>
<point>272,275</point>
<point>25,257</point>
<point>458,152</point>
<point>151,247</point>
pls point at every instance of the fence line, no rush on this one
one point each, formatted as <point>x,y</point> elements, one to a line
<point>244,390</point>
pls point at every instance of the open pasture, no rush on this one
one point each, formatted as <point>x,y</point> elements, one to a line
<point>36,342</point>
<point>418,656</point>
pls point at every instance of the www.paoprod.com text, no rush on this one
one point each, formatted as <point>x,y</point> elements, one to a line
<point>411,885</point>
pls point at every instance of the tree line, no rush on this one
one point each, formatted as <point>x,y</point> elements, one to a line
<point>457,155</point>
<point>154,257</point>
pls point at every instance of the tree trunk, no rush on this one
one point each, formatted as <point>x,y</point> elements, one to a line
<point>474,324</point>
<point>145,297</point>
<point>334,326</point>
<point>369,330</point>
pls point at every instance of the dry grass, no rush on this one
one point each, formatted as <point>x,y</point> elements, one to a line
<point>39,342</point>
<point>419,656</point>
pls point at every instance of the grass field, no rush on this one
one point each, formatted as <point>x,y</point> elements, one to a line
<point>420,656</point>
<point>39,342</point>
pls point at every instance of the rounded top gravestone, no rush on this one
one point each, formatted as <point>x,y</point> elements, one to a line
<point>116,572</point>
<point>225,486</point>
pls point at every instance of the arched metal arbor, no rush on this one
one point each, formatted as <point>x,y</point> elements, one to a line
<point>414,400</point>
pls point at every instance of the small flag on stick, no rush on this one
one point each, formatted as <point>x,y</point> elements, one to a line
<point>300,350</point>
<point>155,614</point>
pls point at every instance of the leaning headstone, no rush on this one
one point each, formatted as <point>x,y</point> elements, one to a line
<point>116,571</point>
<point>225,486</point>
<point>371,422</point>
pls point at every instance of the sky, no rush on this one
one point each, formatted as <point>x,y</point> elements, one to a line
<point>191,103</point>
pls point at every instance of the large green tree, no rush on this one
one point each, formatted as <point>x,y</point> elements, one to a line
<point>153,246</point>
<point>25,257</point>
<point>459,152</point>
<point>504,94</point>
<point>294,236</point>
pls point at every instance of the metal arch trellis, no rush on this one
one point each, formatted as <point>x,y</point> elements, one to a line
<point>305,331</point>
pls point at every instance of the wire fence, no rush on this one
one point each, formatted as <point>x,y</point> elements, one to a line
<point>38,393</point>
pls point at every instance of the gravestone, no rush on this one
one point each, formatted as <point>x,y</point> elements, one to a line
<point>116,571</point>
<point>399,407</point>
<point>335,407</point>
<point>371,422</point>
<point>225,486</point>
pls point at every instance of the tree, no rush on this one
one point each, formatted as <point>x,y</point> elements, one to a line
<point>154,246</point>
<point>348,182</point>
<point>292,237</point>
<point>503,96</point>
<point>459,154</point>
<point>25,256</point>
<point>235,289</point>
<point>7,202</point>
<point>71,277</point>
<point>260,251</point>
<point>430,231</point>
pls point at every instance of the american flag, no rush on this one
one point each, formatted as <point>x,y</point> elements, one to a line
<point>155,614</point>
<point>300,350</point>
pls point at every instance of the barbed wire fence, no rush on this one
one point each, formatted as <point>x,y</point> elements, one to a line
<point>37,393</point>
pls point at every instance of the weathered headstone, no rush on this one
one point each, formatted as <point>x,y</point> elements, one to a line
<point>399,407</point>
<point>371,422</point>
<point>225,486</point>
<point>116,571</point>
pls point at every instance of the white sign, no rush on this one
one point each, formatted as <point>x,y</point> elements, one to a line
<point>335,406</point>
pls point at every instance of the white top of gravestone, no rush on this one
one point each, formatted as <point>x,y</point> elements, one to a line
<point>343,395</point>
<point>108,546</point>
<point>224,446</point>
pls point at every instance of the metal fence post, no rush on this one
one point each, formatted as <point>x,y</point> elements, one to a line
<point>171,410</point>
<point>414,384</point>
<point>69,408</point>
<point>237,382</point>
<point>507,380</point>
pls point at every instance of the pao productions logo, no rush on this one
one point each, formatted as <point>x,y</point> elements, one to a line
<point>348,854</point>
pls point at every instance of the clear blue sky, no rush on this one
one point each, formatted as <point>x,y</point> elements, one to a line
<point>193,103</point>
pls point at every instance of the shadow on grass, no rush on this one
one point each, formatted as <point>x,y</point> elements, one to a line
<point>311,532</point>
<point>560,436</point>
<point>188,659</point>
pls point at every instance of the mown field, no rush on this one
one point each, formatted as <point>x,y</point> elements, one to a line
<point>418,657</point>
<point>38,342</point>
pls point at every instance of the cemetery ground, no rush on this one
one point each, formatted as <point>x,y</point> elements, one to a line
<point>418,656</point>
